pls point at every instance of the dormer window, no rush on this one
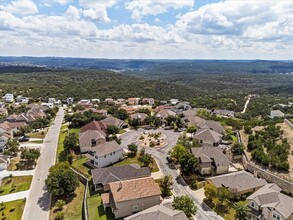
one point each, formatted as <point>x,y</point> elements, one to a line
<point>252,204</point>
<point>94,142</point>
<point>276,216</point>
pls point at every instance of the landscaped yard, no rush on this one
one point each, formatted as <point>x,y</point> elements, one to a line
<point>130,160</point>
<point>13,210</point>
<point>73,208</point>
<point>231,212</point>
<point>40,134</point>
<point>79,164</point>
<point>36,142</point>
<point>12,165</point>
<point>15,184</point>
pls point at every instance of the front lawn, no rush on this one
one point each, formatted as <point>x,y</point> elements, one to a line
<point>73,207</point>
<point>36,142</point>
<point>12,210</point>
<point>15,184</point>
<point>131,160</point>
<point>13,164</point>
<point>40,134</point>
<point>62,135</point>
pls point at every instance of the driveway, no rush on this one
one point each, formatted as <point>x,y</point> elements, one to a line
<point>179,185</point>
<point>6,173</point>
<point>38,201</point>
<point>14,196</point>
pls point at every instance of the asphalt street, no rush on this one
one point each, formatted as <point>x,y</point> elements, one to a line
<point>38,201</point>
<point>179,185</point>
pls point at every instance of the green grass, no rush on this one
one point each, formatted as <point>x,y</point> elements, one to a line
<point>15,184</point>
<point>73,207</point>
<point>40,134</point>
<point>75,131</point>
<point>62,135</point>
<point>79,164</point>
<point>121,131</point>
<point>131,160</point>
<point>231,211</point>
<point>13,210</point>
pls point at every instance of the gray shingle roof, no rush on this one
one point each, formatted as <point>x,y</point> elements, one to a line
<point>270,196</point>
<point>212,153</point>
<point>207,135</point>
<point>113,174</point>
<point>106,148</point>
<point>158,212</point>
<point>238,181</point>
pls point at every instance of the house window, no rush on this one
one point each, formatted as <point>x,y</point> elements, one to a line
<point>114,153</point>
<point>105,156</point>
<point>252,204</point>
<point>276,216</point>
<point>135,208</point>
<point>94,143</point>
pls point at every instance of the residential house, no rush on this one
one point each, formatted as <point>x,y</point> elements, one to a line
<point>120,102</point>
<point>69,100</point>
<point>25,117</point>
<point>11,118</point>
<point>183,106</point>
<point>208,137</point>
<point>103,176</point>
<point>158,212</point>
<point>133,101</point>
<point>96,111</point>
<point>225,113</point>
<point>11,127</point>
<point>22,100</point>
<point>277,114</point>
<point>270,204</point>
<point>89,139</point>
<point>3,111</point>
<point>192,121</point>
<point>105,154</point>
<point>85,103</point>
<point>114,121</point>
<point>96,100</point>
<point>94,125</point>
<point>131,196</point>
<point>174,101</point>
<point>238,183</point>
<point>148,101</point>
<point>8,98</point>
<point>4,162</point>
<point>189,113</point>
<point>129,109</point>
<point>140,116</point>
<point>49,105</point>
<point>163,114</point>
<point>213,125</point>
<point>211,160</point>
<point>109,101</point>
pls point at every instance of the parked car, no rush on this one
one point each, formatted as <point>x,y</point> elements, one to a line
<point>172,166</point>
<point>169,159</point>
<point>23,139</point>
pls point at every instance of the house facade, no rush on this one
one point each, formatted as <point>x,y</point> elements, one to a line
<point>268,203</point>
<point>131,196</point>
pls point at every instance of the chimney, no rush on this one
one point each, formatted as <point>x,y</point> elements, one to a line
<point>120,186</point>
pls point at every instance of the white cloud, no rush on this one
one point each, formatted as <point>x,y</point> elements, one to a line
<point>62,2</point>
<point>21,7</point>
<point>73,13</point>
<point>140,8</point>
<point>97,10</point>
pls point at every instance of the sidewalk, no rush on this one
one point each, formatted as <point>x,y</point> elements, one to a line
<point>6,173</point>
<point>14,196</point>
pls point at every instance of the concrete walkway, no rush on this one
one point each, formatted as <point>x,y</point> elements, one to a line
<point>14,196</point>
<point>6,173</point>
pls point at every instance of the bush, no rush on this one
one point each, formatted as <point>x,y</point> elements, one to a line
<point>59,216</point>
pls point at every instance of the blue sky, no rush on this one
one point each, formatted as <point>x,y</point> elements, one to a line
<point>174,29</point>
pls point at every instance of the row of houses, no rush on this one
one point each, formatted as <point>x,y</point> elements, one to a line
<point>265,202</point>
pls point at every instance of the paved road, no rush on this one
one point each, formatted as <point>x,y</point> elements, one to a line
<point>14,196</point>
<point>179,185</point>
<point>38,201</point>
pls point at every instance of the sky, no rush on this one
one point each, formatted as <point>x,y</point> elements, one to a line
<point>148,29</point>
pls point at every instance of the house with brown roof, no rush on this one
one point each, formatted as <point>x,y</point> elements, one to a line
<point>105,154</point>
<point>133,101</point>
<point>212,125</point>
<point>238,183</point>
<point>103,176</point>
<point>139,116</point>
<point>89,139</point>
<point>164,113</point>
<point>270,204</point>
<point>208,137</point>
<point>131,196</point>
<point>113,121</point>
<point>192,121</point>
<point>211,160</point>
<point>148,101</point>
<point>4,162</point>
<point>94,125</point>
<point>158,212</point>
